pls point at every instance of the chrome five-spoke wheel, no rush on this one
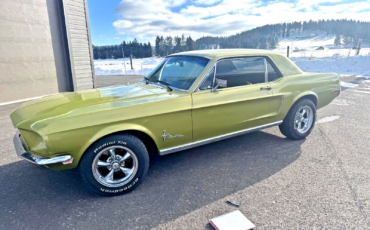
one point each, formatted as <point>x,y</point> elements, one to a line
<point>115,166</point>
<point>303,119</point>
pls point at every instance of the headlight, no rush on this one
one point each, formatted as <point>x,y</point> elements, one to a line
<point>35,142</point>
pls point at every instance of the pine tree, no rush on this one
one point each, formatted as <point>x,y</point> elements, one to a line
<point>337,41</point>
<point>177,47</point>
<point>190,44</point>
<point>169,45</point>
<point>161,46</point>
<point>149,50</point>
<point>157,44</point>
<point>183,42</point>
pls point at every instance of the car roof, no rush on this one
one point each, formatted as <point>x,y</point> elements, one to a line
<point>222,53</point>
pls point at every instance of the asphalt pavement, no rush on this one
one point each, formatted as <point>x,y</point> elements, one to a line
<point>321,182</point>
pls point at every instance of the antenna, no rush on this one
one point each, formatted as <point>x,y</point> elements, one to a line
<point>123,55</point>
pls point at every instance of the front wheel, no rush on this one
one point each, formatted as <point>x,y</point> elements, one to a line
<point>114,165</point>
<point>300,120</point>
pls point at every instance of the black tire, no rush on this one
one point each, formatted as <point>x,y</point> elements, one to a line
<point>127,141</point>
<point>288,129</point>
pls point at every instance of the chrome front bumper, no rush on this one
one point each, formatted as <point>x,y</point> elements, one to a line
<point>23,154</point>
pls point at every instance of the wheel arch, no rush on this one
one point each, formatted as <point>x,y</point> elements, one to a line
<point>306,95</point>
<point>140,132</point>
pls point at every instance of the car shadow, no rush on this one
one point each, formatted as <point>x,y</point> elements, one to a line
<point>38,198</point>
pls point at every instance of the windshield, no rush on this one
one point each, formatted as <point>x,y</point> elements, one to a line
<point>179,72</point>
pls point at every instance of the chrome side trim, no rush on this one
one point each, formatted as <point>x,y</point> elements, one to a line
<point>214,139</point>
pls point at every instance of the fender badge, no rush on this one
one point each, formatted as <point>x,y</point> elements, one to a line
<point>165,135</point>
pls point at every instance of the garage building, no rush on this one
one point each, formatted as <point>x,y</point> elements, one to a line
<point>45,48</point>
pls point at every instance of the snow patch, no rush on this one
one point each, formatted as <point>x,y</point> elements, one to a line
<point>327,119</point>
<point>358,91</point>
<point>362,76</point>
<point>141,66</point>
<point>347,84</point>
<point>340,102</point>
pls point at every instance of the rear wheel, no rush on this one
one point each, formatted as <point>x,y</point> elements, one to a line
<point>300,120</point>
<point>114,165</point>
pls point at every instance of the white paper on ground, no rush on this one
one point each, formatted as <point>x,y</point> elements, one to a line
<point>233,220</point>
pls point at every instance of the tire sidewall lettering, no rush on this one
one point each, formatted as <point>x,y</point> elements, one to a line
<point>106,144</point>
<point>121,189</point>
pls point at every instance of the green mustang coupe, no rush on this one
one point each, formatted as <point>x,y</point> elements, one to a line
<point>190,99</point>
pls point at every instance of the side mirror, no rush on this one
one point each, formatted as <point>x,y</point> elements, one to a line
<point>219,83</point>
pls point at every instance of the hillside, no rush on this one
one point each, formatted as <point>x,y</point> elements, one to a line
<point>269,36</point>
<point>303,34</point>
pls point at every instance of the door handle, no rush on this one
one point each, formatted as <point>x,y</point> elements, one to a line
<point>266,88</point>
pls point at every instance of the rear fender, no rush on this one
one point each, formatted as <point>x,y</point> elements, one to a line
<point>306,94</point>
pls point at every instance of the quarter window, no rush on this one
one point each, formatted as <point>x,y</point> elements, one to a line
<point>272,75</point>
<point>208,83</point>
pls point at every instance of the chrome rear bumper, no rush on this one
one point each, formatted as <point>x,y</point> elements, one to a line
<point>23,154</point>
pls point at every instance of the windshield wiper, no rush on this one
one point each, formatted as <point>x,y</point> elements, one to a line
<point>166,84</point>
<point>147,81</point>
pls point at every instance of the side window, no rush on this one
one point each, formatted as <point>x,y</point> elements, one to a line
<point>208,83</point>
<point>241,71</point>
<point>272,75</point>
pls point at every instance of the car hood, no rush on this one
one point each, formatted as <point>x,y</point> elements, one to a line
<point>37,114</point>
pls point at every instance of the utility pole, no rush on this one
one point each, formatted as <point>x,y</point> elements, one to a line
<point>359,47</point>
<point>287,52</point>
<point>131,61</point>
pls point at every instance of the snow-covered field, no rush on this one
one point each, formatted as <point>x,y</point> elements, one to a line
<point>141,66</point>
<point>336,59</point>
<point>353,65</point>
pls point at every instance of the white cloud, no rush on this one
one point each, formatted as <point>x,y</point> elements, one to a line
<point>205,2</point>
<point>116,38</point>
<point>346,8</point>
<point>146,19</point>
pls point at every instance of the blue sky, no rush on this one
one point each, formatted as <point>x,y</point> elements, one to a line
<point>102,16</point>
<point>113,21</point>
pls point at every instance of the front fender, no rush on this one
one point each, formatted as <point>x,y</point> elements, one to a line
<point>108,130</point>
<point>76,142</point>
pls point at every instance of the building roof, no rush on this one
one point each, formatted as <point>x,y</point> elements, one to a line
<point>221,53</point>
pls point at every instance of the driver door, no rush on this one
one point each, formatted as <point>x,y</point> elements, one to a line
<point>242,102</point>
